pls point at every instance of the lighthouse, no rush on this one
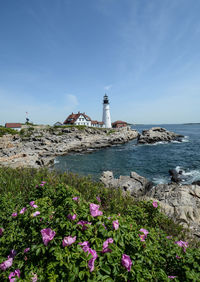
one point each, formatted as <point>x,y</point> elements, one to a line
<point>106,112</point>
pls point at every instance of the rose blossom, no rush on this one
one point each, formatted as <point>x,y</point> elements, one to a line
<point>14,214</point>
<point>182,244</point>
<point>115,224</point>
<point>13,274</point>
<point>34,278</point>
<point>35,213</point>
<point>155,204</point>
<point>67,241</point>
<point>32,204</point>
<point>72,217</point>
<point>6,264</point>
<point>92,260</point>
<point>105,245</point>
<point>23,210</point>
<point>143,236</point>
<point>47,235</point>
<point>75,198</point>
<point>126,262</point>
<point>94,210</point>
<point>85,246</point>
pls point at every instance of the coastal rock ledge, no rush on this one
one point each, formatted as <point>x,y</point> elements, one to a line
<point>179,202</point>
<point>38,146</point>
<point>158,134</point>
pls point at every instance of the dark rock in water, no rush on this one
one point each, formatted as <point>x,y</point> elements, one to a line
<point>196,183</point>
<point>175,176</point>
<point>158,134</point>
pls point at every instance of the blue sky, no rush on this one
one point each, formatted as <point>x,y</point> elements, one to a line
<point>62,56</point>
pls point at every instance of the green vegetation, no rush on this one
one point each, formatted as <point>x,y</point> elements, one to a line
<point>154,257</point>
<point>4,131</point>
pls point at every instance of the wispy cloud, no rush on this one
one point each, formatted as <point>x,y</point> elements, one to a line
<point>108,87</point>
<point>72,100</point>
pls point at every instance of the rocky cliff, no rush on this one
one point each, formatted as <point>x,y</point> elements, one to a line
<point>37,147</point>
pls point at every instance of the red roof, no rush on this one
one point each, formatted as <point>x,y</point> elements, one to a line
<point>13,125</point>
<point>96,122</point>
<point>73,117</point>
<point>119,122</point>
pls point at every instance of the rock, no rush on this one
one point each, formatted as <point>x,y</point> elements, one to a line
<point>196,183</point>
<point>175,175</point>
<point>180,202</point>
<point>158,134</point>
<point>135,184</point>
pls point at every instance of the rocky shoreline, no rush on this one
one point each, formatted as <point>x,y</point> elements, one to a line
<point>179,202</point>
<point>37,147</point>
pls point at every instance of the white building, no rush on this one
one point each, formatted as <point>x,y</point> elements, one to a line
<point>78,119</point>
<point>106,112</point>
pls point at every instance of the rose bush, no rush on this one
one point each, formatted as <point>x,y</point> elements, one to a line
<point>53,246</point>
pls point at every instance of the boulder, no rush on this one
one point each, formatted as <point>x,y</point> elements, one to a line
<point>158,134</point>
<point>135,184</point>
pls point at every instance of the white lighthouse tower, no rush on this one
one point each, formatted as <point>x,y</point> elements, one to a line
<point>106,112</point>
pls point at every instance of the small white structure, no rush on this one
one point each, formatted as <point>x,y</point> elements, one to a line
<point>16,126</point>
<point>106,112</point>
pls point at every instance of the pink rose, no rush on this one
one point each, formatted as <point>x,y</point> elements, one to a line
<point>115,224</point>
<point>72,217</point>
<point>47,235</point>
<point>155,204</point>
<point>105,245</point>
<point>94,210</point>
<point>32,204</point>
<point>126,262</point>
<point>14,214</point>
<point>67,241</point>
<point>85,246</point>
<point>13,274</point>
<point>6,264</point>
<point>23,210</point>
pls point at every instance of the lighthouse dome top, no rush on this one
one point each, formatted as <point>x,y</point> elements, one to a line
<point>105,99</point>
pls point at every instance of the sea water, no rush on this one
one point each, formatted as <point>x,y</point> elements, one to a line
<point>150,161</point>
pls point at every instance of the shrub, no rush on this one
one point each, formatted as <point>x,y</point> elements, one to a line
<point>4,131</point>
<point>66,214</point>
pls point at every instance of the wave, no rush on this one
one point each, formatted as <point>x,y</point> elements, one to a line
<point>56,161</point>
<point>185,139</point>
<point>188,176</point>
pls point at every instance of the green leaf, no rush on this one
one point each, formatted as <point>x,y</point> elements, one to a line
<point>106,269</point>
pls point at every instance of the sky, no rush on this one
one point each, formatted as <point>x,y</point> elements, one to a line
<point>58,57</point>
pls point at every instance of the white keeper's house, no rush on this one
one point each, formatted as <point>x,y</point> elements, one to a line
<point>83,119</point>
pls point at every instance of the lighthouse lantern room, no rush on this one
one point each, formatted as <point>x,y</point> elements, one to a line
<point>106,112</point>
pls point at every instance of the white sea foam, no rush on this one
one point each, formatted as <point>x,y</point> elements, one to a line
<point>56,161</point>
<point>188,176</point>
<point>185,139</point>
<point>161,180</point>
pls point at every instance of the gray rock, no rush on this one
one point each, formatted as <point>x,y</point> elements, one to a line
<point>135,184</point>
<point>158,134</point>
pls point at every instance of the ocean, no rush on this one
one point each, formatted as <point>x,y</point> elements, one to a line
<point>150,161</point>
